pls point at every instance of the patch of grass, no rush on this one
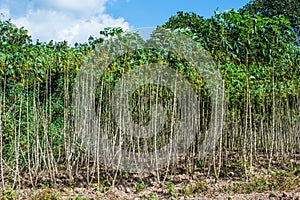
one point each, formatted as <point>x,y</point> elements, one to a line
<point>171,190</point>
<point>200,186</point>
<point>238,168</point>
<point>286,180</point>
<point>186,189</point>
<point>8,194</point>
<point>125,175</point>
<point>199,164</point>
<point>297,171</point>
<point>279,181</point>
<point>151,196</point>
<point>78,198</point>
<point>47,194</point>
<point>104,184</point>
<point>140,185</point>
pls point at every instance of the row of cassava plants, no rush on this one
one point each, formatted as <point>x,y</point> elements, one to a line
<point>41,136</point>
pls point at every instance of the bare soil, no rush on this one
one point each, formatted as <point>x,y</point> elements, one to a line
<point>281,181</point>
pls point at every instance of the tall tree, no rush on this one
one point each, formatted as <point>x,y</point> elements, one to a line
<point>288,8</point>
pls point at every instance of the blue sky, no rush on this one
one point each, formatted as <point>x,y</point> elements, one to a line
<point>76,20</point>
<point>141,13</point>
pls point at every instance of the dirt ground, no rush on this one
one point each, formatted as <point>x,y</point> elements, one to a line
<point>281,182</point>
<point>181,187</point>
<point>160,193</point>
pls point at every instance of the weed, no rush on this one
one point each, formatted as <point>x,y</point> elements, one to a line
<point>280,181</point>
<point>199,187</point>
<point>171,190</point>
<point>140,185</point>
<point>297,171</point>
<point>199,164</point>
<point>151,196</point>
<point>104,184</point>
<point>79,198</point>
<point>8,194</point>
<point>272,195</point>
<point>47,194</point>
<point>186,189</point>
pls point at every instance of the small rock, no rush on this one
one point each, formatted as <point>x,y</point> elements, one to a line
<point>231,174</point>
<point>127,190</point>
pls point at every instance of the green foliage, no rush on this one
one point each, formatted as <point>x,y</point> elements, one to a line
<point>182,20</point>
<point>279,181</point>
<point>254,50</point>
<point>247,47</point>
<point>193,189</point>
<point>139,185</point>
<point>12,37</point>
<point>78,198</point>
<point>104,183</point>
<point>32,90</point>
<point>199,187</point>
<point>161,95</point>
<point>8,194</point>
<point>151,196</point>
<point>171,190</point>
<point>47,194</point>
<point>287,8</point>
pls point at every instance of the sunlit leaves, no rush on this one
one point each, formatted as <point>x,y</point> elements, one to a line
<point>237,40</point>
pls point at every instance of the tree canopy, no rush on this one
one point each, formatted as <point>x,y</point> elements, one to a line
<point>288,8</point>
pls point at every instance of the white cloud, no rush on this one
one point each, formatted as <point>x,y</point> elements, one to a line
<point>71,20</point>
